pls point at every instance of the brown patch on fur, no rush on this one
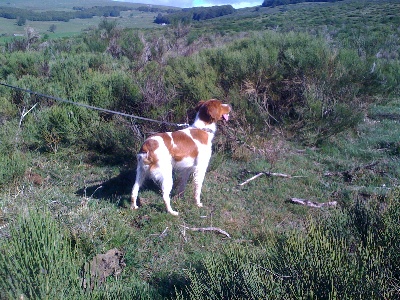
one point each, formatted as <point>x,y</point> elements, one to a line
<point>148,147</point>
<point>179,146</point>
<point>212,110</point>
<point>183,146</point>
<point>200,135</point>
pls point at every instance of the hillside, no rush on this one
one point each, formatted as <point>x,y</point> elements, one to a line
<point>315,93</point>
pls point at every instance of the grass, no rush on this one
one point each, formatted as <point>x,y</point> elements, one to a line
<point>92,201</point>
<point>128,19</point>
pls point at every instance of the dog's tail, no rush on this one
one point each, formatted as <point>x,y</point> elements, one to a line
<point>145,159</point>
<point>146,155</point>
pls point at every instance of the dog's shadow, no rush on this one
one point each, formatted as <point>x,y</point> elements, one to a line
<point>117,189</point>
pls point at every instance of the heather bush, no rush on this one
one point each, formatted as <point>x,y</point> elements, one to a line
<point>21,63</point>
<point>13,164</point>
<point>293,79</point>
<point>347,254</point>
<point>13,158</point>
<point>39,261</point>
<point>58,125</point>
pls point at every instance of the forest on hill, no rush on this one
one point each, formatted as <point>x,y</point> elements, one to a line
<point>65,16</point>
<point>273,3</point>
<point>302,194</point>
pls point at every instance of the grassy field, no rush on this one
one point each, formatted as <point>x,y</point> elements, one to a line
<point>91,200</point>
<point>128,19</point>
<point>311,99</point>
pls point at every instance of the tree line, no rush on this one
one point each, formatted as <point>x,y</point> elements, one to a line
<point>186,15</point>
<point>155,9</point>
<point>273,3</point>
<point>65,16</point>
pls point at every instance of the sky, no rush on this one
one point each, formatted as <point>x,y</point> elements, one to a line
<point>195,3</point>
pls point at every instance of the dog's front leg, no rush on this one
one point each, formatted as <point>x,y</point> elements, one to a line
<point>199,174</point>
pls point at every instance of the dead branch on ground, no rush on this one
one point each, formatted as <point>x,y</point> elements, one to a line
<point>312,203</point>
<point>24,113</point>
<point>269,174</point>
<point>204,229</point>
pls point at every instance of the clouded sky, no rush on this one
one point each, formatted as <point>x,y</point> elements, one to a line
<point>193,3</point>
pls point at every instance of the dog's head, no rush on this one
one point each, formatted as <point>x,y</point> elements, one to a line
<point>213,110</point>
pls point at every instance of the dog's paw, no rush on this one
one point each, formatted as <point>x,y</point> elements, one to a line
<point>173,212</point>
<point>199,204</point>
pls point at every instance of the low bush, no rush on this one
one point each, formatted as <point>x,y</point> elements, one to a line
<point>13,159</point>
<point>58,125</point>
<point>39,261</point>
<point>352,253</point>
<point>12,165</point>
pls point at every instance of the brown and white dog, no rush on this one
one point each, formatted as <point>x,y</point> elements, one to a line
<point>187,151</point>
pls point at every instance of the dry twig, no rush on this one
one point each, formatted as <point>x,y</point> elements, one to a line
<point>268,174</point>
<point>24,113</point>
<point>312,203</point>
<point>203,229</point>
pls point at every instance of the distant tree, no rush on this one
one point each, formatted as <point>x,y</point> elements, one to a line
<point>52,28</point>
<point>160,19</point>
<point>107,25</point>
<point>21,21</point>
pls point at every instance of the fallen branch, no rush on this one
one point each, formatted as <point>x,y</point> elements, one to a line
<point>203,229</point>
<point>268,174</point>
<point>312,203</point>
<point>24,113</point>
<point>162,234</point>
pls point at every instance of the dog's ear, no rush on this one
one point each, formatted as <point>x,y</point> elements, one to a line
<point>199,105</point>
<point>214,110</point>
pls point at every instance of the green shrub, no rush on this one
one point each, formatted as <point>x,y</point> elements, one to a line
<point>193,79</point>
<point>38,261</point>
<point>12,165</point>
<point>21,63</point>
<point>348,254</point>
<point>58,125</point>
<point>291,78</point>
<point>13,161</point>
<point>131,45</point>
<point>388,80</point>
<point>234,273</point>
<point>114,142</point>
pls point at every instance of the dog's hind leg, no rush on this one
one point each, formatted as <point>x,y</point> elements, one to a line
<point>163,174</point>
<point>141,174</point>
